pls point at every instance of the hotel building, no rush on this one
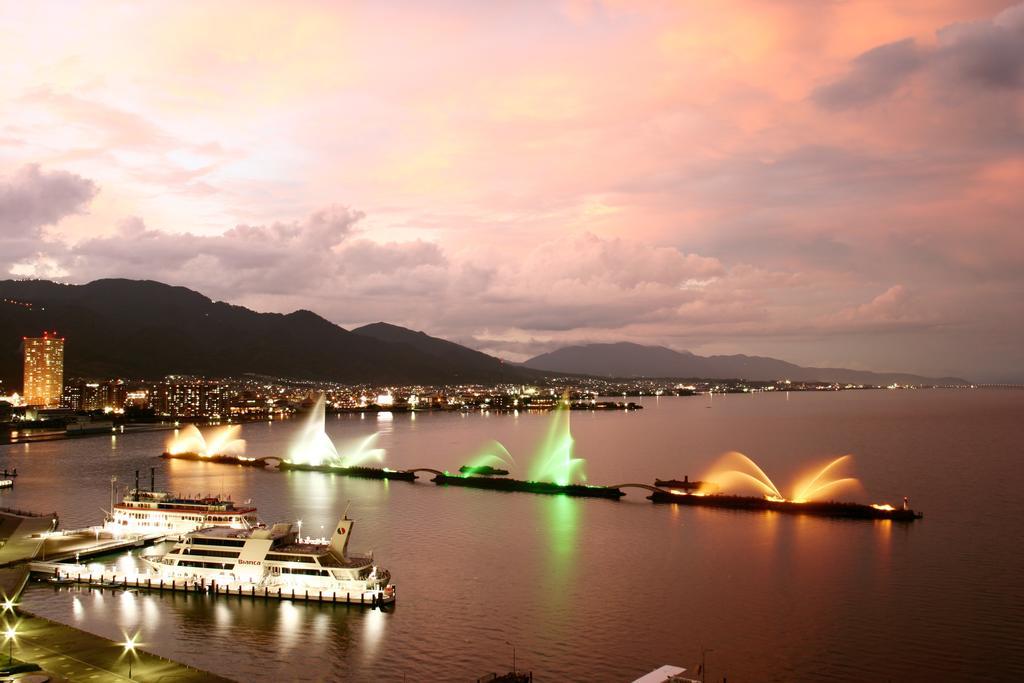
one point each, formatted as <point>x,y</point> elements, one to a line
<point>44,370</point>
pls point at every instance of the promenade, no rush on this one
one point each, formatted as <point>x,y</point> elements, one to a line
<point>68,654</point>
<point>64,652</point>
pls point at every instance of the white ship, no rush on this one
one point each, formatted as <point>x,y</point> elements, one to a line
<point>275,560</point>
<point>159,512</point>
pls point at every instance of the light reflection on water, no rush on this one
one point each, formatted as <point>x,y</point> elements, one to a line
<point>597,588</point>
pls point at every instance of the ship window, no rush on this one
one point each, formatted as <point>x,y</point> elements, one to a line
<point>213,553</point>
<point>230,542</point>
<point>290,558</point>
<point>306,572</point>
<point>205,565</point>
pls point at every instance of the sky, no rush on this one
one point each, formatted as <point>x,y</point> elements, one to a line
<point>831,183</point>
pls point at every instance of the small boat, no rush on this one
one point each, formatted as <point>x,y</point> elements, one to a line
<point>107,583</point>
<point>686,485</point>
<point>483,470</point>
<point>58,580</point>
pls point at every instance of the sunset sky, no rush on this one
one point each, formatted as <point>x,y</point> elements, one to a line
<point>831,183</point>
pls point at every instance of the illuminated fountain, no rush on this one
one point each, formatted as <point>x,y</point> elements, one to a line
<point>311,445</point>
<point>221,441</point>
<point>220,445</point>
<point>554,460</point>
<point>493,459</point>
<point>362,451</point>
<point>815,486</point>
<point>553,472</point>
<point>737,472</point>
<point>313,450</point>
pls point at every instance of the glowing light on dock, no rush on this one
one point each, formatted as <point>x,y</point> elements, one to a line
<point>554,461</point>
<point>817,485</point>
<point>219,441</point>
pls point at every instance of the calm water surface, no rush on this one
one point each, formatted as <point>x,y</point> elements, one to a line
<point>599,590</point>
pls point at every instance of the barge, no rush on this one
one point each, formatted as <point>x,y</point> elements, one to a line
<point>818,508</point>
<point>483,471</point>
<point>686,485</point>
<point>546,487</point>
<point>363,472</point>
<point>219,459</point>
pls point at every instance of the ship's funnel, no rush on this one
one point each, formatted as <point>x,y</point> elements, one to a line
<point>339,540</point>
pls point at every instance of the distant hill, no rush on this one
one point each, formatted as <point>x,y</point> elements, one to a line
<point>634,360</point>
<point>145,329</point>
<point>443,351</point>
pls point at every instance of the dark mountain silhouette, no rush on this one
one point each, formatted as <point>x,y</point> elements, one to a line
<point>444,351</point>
<point>145,330</point>
<point>635,360</point>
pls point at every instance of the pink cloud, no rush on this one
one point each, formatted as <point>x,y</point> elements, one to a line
<point>736,173</point>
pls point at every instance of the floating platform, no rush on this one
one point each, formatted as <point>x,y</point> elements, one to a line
<point>218,459</point>
<point>363,472</point>
<point>686,485</point>
<point>547,487</point>
<point>818,508</point>
<point>483,471</point>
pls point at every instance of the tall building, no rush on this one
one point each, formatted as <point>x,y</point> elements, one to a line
<point>189,397</point>
<point>44,370</point>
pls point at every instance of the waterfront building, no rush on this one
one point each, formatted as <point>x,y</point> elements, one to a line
<point>181,396</point>
<point>44,370</point>
<point>73,396</point>
<point>81,396</point>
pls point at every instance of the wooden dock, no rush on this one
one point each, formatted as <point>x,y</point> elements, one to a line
<point>111,580</point>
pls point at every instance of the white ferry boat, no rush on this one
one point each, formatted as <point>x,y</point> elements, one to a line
<point>153,512</point>
<point>275,560</point>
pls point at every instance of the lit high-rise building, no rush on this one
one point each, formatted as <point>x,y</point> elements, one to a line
<point>44,370</point>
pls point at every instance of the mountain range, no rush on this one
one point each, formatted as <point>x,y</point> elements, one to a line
<point>145,330</point>
<point>635,360</point>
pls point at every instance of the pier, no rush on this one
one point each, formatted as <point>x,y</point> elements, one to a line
<point>113,580</point>
<point>80,543</point>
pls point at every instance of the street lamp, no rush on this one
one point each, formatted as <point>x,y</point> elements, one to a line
<point>129,649</point>
<point>8,604</point>
<point>703,666</point>
<point>9,634</point>
<point>513,656</point>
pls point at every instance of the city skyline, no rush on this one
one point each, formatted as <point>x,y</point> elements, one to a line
<point>836,185</point>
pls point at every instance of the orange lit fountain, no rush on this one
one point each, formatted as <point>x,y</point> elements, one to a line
<point>220,445</point>
<point>737,474</point>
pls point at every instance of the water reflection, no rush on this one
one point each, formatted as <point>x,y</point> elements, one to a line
<point>374,622</point>
<point>561,522</point>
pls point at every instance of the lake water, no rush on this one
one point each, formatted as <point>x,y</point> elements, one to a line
<point>599,590</point>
